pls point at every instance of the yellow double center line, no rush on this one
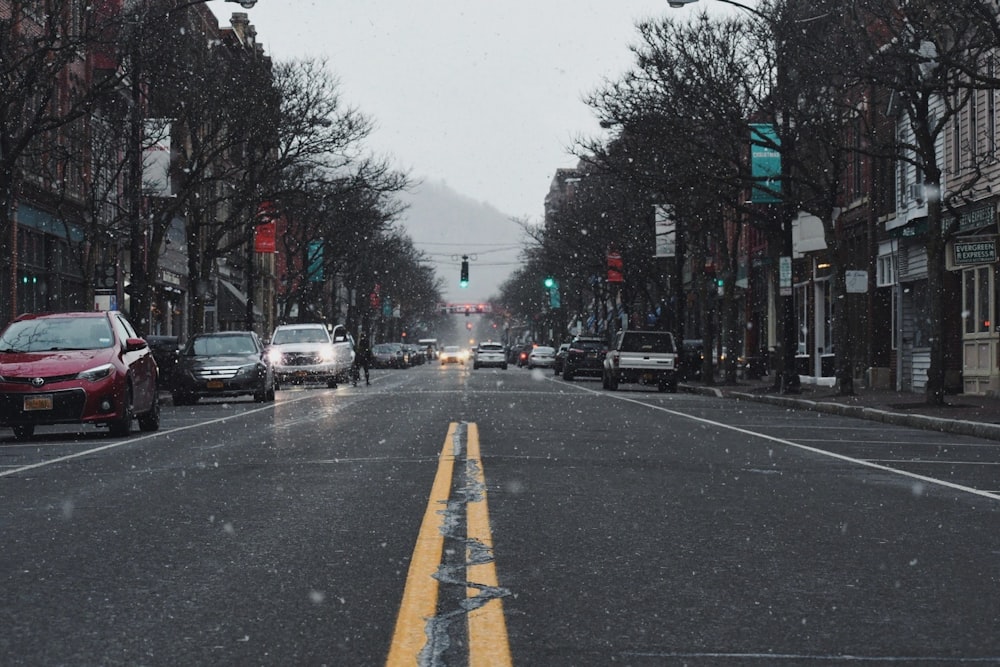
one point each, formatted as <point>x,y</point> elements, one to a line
<point>488,642</point>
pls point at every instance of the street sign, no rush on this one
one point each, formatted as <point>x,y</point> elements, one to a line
<point>106,277</point>
<point>785,276</point>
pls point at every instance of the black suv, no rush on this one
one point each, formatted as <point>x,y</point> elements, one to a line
<point>585,357</point>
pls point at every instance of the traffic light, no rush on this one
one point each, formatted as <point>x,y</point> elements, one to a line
<point>463,280</point>
<point>553,287</point>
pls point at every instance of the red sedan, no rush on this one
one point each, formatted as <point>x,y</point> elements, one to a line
<point>76,368</point>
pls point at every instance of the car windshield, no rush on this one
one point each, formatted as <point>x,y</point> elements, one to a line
<point>307,335</point>
<point>51,334</point>
<point>221,345</point>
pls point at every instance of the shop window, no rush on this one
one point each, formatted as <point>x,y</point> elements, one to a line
<point>977,310</point>
<point>802,317</point>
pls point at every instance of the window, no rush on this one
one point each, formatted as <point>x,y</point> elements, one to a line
<point>977,314</point>
<point>956,139</point>
<point>885,270</point>
<point>973,128</point>
<point>802,315</point>
<point>991,113</point>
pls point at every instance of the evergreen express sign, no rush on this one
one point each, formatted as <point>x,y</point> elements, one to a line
<point>975,252</point>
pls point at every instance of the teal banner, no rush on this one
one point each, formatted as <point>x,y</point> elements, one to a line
<point>316,261</point>
<point>765,164</point>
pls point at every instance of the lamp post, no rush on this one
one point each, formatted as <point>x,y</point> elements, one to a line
<point>788,382</point>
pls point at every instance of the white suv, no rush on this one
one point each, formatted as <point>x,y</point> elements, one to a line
<point>309,353</point>
<point>490,354</point>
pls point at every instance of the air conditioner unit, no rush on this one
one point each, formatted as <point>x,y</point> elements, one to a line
<point>916,192</point>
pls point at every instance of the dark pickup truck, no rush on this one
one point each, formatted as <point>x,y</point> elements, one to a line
<point>646,357</point>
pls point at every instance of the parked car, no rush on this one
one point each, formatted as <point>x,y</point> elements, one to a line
<point>490,354</point>
<point>165,350</point>
<point>385,355</point>
<point>308,352</point>
<point>452,354</point>
<point>557,367</point>
<point>542,356</point>
<point>585,357</point>
<point>76,368</point>
<point>522,355</point>
<point>646,357</point>
<point>228,363</point>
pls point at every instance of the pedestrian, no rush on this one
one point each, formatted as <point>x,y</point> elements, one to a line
<point>362,356</point>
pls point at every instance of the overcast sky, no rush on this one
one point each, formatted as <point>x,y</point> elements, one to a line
<point>482,95</point>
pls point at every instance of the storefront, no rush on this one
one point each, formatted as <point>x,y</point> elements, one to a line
<point>973,255</point>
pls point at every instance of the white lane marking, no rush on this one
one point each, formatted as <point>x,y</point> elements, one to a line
<point>148,436</point>
<point>807,448</point>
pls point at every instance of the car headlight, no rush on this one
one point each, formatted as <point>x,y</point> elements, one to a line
<point>326,355</point>
<point>95,374</point>
<point>251,370</point>
<point>274,356</point>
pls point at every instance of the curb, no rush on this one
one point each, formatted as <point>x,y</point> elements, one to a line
<point>956,426</point>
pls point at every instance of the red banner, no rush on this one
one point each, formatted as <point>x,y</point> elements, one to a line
<point>264,240</point>
<point>615,270</point>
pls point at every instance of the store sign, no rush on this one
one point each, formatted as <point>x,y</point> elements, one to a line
<point>975,252</point>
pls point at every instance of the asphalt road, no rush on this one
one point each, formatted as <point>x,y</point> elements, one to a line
<point>445,516</point>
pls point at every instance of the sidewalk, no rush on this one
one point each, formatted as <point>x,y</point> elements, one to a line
<point>962,414</point>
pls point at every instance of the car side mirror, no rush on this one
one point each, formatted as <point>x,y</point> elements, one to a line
<point>135,344</point>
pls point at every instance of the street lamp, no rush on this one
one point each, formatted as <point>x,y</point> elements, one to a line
<point>245,4</point>
<point>788,382</point>
<point>678,4</point>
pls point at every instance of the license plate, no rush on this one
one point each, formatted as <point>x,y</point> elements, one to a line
<point>648,377</point>
<point>40,402</point>
<point>215,384</point>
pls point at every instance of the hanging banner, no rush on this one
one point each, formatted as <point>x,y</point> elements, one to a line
<point>315,261</point>
<point>615,269</point>
<point>264,240</point>
<point>265,232</point>
<point>765,164</point>
<point>666,232</point>
<point>156,158</point>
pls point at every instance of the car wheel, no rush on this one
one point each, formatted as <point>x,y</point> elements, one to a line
<point>503,367</point>
<point>567,374</point>
<point>661,386</point>
<point>332,384</point>
<point>150,421</point>
<point>260,396</point>
<point>122,426</point>
<point>24,431</point>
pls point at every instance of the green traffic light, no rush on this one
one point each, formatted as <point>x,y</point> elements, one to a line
<point>550,282</point>
<point>463,283</point>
